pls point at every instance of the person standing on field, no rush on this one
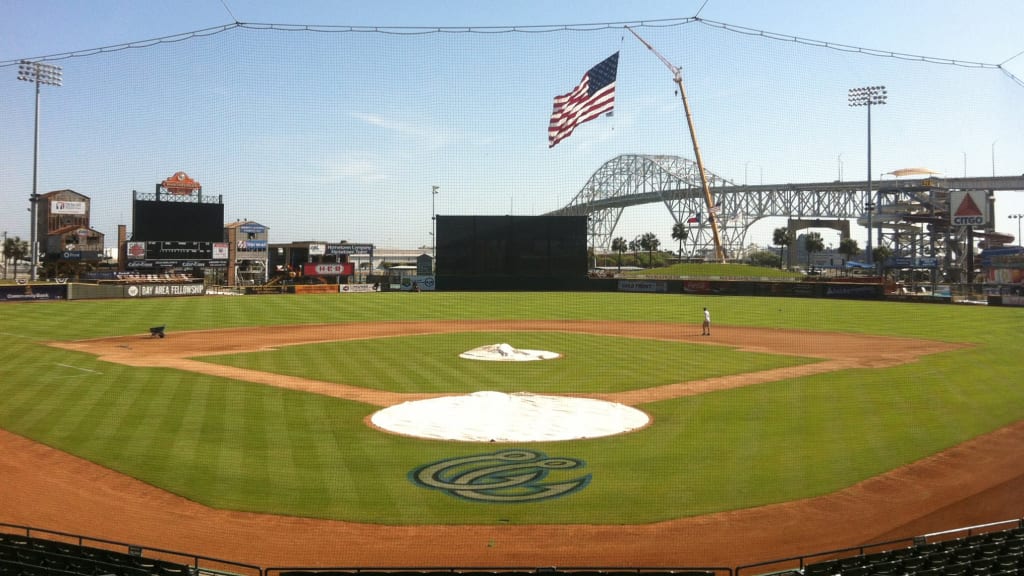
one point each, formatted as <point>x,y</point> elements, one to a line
<point>706,326</point>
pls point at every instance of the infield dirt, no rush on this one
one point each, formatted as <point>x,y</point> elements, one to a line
<point>976,482</point>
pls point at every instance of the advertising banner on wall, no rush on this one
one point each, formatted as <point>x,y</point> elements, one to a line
<point>66,207</point>
<point>652,286</point>
<point>418,283</point>
<point>155,290</point>
<point>342,269</point>
<point>33,292</point>
<point>314,289</point>
<point>251,246</point>
<point>354,288</point>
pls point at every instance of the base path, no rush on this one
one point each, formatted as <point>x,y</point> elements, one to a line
<point>976,482</point>
<point>838,351</point>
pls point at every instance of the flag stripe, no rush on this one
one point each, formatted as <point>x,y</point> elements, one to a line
<point>594,96</point>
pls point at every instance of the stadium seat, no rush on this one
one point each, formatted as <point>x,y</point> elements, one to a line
<point>884,568</point>
<point>957,569</point>
<point>825,568</point>
<point>913,564</point>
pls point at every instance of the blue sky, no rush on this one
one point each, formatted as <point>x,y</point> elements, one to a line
<point>342,137</point>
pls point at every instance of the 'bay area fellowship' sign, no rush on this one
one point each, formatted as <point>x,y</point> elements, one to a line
<point>155,290</point>
<point>968,208</point>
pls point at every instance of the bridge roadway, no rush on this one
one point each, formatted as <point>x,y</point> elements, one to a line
<point>849,195</point>
<point>604,197</point>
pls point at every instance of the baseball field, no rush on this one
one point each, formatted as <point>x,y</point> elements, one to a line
<point>800,425</point>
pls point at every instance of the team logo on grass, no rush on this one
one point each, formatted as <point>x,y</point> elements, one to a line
<point>507,476</point>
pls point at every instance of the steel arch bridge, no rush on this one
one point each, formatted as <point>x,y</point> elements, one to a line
<point>635,179</point>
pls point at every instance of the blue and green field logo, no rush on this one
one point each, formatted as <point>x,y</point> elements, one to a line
<point>503,477</point>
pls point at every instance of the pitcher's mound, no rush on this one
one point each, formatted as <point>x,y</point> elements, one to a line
<point>506,353</point>
<point>500,417</point>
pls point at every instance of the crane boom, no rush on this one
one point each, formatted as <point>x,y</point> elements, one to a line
<point>678,79</point>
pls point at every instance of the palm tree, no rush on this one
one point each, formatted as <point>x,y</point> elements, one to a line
<point>619,245</point>
<point>813,243</point>
<point>650,242</point>
<point>14,249</point>
<point>634,247</point>
<point>848,248</point>
<point>881,254</point>
<point>783,237</point>
<point>680,232</point>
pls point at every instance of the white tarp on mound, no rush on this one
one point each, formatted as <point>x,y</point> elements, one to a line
<point>500,417</point>
<point>507,353</point>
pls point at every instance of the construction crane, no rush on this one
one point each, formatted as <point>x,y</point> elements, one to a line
<point>677,76</point>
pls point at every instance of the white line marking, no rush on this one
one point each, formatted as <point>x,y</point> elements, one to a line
<point>77,368</point>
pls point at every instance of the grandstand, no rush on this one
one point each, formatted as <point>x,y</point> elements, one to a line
<point>994,549</point>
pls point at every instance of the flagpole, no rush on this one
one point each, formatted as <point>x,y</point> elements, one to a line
<point>678,78</point>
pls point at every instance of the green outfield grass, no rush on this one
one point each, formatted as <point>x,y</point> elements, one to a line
<point>244,446</point>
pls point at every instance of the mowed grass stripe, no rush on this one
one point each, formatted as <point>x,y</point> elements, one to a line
<point>744,447</point>
<point>431,363</point>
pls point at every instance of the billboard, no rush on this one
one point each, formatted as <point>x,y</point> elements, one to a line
<point>342,269</point>
<point>348,249</point>
<point>968,208</point>
<point>66,207</point>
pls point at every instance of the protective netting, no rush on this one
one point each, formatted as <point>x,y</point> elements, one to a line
<point>339,134</point>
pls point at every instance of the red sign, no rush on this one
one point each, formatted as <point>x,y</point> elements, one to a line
<point>343,269</point>
<point>181,184</point>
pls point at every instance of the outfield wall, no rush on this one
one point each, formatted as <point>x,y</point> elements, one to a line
<point>751,287</point>
<point>718,287</point>
<point>70,291</point>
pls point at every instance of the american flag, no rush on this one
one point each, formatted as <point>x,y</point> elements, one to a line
<point>594,96</point>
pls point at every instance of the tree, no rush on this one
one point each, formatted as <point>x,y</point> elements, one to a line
<point>763,258</point>
<point>783,237</point>
<point>634,247</point>
<point>650,242</point>
<point>881,254</point>
<point>813,243</point>
<point>848,248</point>
<point>14,249</point>
<point>619,245</point>
<point>680,232</point>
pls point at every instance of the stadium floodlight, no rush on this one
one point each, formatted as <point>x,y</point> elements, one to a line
<point>433,221</point>
<point>1018,218</point>
<point>38,73</point>
<point>869,96</point>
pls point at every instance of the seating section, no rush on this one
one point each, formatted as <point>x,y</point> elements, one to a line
<point>25,556</point>
<point>495,572</point>
<point>991,554</point>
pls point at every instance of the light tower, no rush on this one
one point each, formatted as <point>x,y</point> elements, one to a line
<point>868,96</point>
<point>38,73</point>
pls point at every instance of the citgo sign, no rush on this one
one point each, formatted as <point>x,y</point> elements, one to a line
<point>968,208</point>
